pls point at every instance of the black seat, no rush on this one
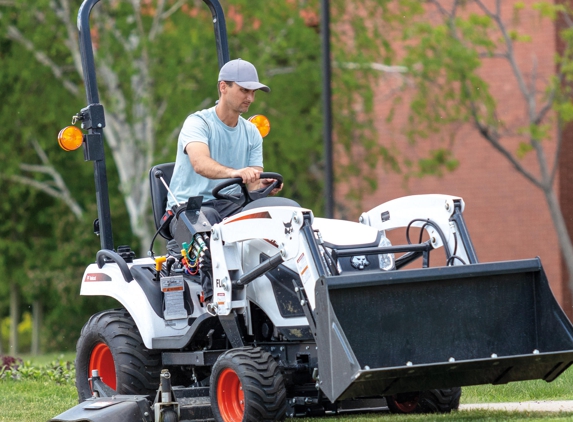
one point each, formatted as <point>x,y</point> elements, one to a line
<point>159,195</point>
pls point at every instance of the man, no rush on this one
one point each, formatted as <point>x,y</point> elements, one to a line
<point>217,143</point>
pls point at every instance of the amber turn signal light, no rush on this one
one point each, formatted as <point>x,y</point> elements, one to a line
<point>262,123</point>
<point>70,138</point>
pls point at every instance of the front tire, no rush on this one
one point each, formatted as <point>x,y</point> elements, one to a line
<point>432,401</point>
<point>111,343</point>
<point>247,385</point>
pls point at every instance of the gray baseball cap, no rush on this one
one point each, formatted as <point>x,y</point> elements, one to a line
<point>243,74</point>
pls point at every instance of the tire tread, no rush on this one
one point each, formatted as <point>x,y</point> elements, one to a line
<point>137,368</point>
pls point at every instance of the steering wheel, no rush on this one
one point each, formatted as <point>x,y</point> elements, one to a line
<point>246,197</point>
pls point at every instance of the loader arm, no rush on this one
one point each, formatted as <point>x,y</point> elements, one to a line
<point>440,215</point>
<point>279,225</point>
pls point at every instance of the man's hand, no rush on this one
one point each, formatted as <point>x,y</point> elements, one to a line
<point>267,182</point>
<point>248,174</point>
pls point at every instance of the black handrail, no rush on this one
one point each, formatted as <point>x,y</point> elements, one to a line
<point>93,121</point>
<point>105,255</point>
<point>92,117</point>
<point>86,50</point>
<point>220,28</point>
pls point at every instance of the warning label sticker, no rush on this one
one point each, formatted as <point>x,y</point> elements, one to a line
<point>302,266</point>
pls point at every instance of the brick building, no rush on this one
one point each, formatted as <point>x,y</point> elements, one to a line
<point>507,215</point>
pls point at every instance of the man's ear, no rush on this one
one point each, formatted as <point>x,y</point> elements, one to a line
<point>222,87</point>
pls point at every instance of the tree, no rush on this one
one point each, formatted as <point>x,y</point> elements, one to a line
<point>152,54</point>
<point>156,64</point>
<point>44,208</point>
<point>445,45</point>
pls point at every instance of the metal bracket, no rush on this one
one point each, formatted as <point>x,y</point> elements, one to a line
<point>93,147</point>
<point>92,117</point>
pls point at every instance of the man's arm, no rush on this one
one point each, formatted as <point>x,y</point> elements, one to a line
<point>203,164</point>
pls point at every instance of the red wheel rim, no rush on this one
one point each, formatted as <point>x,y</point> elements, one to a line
<point>102,360</point>
<point>406,403</point>
<point>230,396</point>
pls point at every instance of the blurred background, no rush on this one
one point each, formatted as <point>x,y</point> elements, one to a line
<point>467,98</point>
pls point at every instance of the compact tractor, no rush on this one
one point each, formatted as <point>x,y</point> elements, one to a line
<point>308,315</point>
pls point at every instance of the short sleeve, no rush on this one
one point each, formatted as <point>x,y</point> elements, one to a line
<point>195,129</point>
<point>256,150</point>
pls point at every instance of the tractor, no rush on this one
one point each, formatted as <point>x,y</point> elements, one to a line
<point>309,315</point>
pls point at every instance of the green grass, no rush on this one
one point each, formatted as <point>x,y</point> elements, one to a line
<point>33,400</point>
<point>464,416</point>
<point>560,389</point>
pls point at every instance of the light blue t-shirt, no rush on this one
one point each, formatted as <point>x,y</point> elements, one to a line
<point>235,147</point>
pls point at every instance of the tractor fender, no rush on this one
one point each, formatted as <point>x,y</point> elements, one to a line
<point>109,281</point>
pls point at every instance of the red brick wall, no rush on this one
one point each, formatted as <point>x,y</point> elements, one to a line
<point>507,215</point>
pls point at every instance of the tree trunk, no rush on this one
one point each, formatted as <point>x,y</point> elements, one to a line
<point>36,326</point>
<point>565,243</point>
<point>14,318</point>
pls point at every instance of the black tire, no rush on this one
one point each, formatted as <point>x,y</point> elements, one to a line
<point>432,401</point>
<point>113,338</point>
<point>247,385</point>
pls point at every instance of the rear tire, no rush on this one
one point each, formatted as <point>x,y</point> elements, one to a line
<point>432,401</point>
<point>111,343</point>
<point>247,385</point>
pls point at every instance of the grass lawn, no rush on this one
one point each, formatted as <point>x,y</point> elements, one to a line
<point>35,401</point>
<point>32,400</point>
<point>560,389</point>
<point>464,416</point>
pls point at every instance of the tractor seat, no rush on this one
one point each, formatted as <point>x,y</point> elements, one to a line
<point>159,195</point>
<point>159,198</point>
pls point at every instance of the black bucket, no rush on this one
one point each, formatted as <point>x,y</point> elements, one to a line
<point>411,330</point>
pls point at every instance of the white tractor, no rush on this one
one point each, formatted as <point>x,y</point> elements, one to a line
<point>308,315</point>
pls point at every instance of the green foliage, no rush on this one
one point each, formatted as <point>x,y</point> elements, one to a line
<point>438,161</point>
<point>549,9</point>
<point>445,57</point>
<point>43,246</point>
<point>58,372</point>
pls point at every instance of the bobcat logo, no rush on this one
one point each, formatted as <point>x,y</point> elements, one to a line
<point>288,227</point>
<point>359,262</point>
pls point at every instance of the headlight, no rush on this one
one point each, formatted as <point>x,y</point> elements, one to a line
<point>387,260</point>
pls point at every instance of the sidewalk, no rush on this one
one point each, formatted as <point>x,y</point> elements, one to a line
<point>525,406</point>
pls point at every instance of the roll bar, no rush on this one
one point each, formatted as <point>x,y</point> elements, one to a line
<point>93,117</point>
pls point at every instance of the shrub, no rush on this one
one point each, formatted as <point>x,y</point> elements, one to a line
<point>10,362</point>
<point>57,371</point>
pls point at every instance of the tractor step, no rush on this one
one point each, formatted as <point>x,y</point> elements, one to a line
<point>195,410</point>
<point>194,404</point>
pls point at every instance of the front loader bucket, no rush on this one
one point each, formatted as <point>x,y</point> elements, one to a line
<point>383,333</point>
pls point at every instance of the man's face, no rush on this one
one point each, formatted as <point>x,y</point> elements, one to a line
<point>237,98</point>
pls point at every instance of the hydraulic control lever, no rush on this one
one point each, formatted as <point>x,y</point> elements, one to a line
<point>159,174</point>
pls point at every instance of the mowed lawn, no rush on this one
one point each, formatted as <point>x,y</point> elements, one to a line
<point>34,400</point>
